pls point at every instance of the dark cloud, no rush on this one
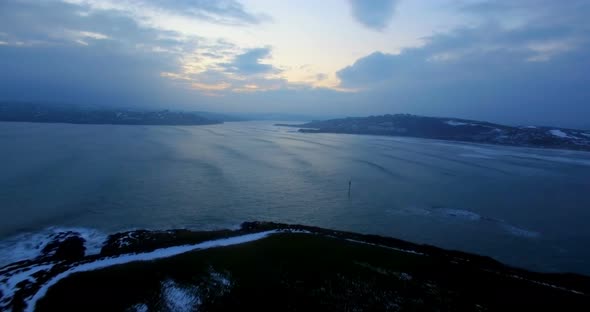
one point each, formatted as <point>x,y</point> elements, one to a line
<point>68,53</point>
<point>532,73</point>
<point>57,23</point>
<point>375,14</point>
<point>249,63</point>
<point>54,53</point>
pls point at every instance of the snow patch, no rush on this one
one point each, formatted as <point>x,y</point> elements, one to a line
<point>180,299</point>
<point>296,231</point>
<point>387,247</point>
<point>28,246</point>
<point>126,239</point>
<point>94,240</point>
<point>8,282</point>
<point>153,255</point>
<point>546,284</point>
<point>456,123</point>
<point>559,133</point>
<point>220,279</point>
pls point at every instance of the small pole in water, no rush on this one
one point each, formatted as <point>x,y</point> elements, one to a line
<point>349,185</point>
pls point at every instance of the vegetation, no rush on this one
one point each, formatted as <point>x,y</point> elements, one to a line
<point>316,270</point>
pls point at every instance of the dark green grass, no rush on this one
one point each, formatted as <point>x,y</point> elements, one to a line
<point>303,272</point>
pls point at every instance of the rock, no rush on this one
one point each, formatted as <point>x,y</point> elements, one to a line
<point>67,246</point>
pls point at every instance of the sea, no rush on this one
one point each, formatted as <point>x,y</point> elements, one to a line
<point>525,207</point>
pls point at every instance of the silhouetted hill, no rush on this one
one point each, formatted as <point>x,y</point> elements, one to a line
<point>30,112</point>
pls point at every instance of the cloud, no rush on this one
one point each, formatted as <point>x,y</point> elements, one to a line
<point>369,70</point>
<point>504,7</point>
<point>53,53</point>
<point>321,76</point>
<point>71,52</point>
<point>223,71</point>
<point>211,87</point>
<point>219,11</point>
<point>532,72</point>
<point>55,23</point>
<point>486,48</point>
<point>374,14</point>
<point>226,12</point>
<point>250,63</point>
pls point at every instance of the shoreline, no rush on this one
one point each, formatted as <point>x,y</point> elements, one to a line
<point>27,281</point>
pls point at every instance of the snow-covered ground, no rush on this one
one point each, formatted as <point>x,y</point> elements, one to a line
<point>30,245</point>
<point>179,298</point>
<point>8,284</point>
<point>456,123</point>
<point>559,133</point>
<point>153,255</point>
<point>10,278</point>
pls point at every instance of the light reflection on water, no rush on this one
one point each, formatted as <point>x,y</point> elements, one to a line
<point>527,207</point>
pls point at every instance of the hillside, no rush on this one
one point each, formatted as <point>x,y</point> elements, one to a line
<point>275,267</point>
<point>28,112</point>
<point>453,129</point>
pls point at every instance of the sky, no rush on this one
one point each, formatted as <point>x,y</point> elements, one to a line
<point>508,61</point>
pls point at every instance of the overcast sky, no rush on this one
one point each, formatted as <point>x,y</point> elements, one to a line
<point>509,61</point>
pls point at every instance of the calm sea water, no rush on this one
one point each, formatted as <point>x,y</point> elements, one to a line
<point>525,207</point>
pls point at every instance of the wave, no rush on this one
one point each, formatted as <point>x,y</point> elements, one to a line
<point>516,231</point>
<point>378,167</point>
<point>29,246</point>
<point>308,141</point>
<point>557,156</point>
<point>474,155</point>
<point>458,213</point>
<point>466,216</point>
<point>211,131</point>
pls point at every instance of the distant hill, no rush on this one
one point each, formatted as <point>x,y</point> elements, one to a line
<point>241,116</point>
<point>30,112</point>
<point>453,129</point>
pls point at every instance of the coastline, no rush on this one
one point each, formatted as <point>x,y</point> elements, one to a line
<point>27,282</point>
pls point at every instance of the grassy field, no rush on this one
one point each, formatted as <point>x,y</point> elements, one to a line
<point>307,272</point>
